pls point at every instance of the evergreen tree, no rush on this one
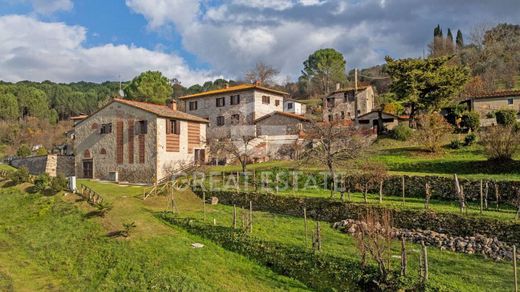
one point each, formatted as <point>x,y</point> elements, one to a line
<point>459,40</point>
<point>449,36</point>
<point>8,107</point>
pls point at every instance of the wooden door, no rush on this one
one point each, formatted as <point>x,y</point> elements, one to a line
<point>88,169</point>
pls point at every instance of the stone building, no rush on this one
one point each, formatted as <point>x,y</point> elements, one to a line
<point>370,121</point>
<point>489,102</point>
<point>233,105</point>
<point>137,142</point>
<point>340,105</point>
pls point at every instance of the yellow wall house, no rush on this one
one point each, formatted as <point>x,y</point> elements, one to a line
<point>137,142</point>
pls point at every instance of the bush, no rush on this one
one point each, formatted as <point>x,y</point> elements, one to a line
<point>402,132</point>
<point>500,143</point>
<point>23,151</point>
<point>21,175</point>
<point>41,151</point>
<point>491,115</point>
<point>470,139</point>
<point>471,121</point>
<point>58,184</point>
<point>41,182</point>
<point>506,117</point>
<point>455,144</point>
<point>433,129</point>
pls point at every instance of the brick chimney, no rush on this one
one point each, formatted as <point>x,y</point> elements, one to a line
<point>173,104</point>
<point>257,83</point>
<point>226,86</point>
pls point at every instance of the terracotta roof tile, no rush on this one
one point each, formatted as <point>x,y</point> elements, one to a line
<point>161,110</point>
<point>234,89</point>
<point>503,93</point>
<point>360,88</point>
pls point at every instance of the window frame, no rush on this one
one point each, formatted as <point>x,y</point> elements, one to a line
<point>266,99</point>
<point>105,129</point>
<point>510,101</point>
<point>142,124</point>
<point>173,127</point>
<point>222,103</point>
<point>234,99</point>
<point>235,119</point>
<point>193,105</point>
<point>289,105</point>
<point>221,121</point>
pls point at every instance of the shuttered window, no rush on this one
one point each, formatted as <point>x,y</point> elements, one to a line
<point>119,143</point>
<point>131,135</point>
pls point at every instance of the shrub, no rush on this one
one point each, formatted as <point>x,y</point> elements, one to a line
<point>23,151</point>
<point>471,120</point>
<point>500,143</point>
<point>432,132</point>
<point>491,115</point>
<point>402,132</point>
<point>506,117</point>
<point>21,175</point>
<point>41,182</point>
<point>455,144</point>
<point>58,184</point>
<point>41,151</point>
<point>470,139</point>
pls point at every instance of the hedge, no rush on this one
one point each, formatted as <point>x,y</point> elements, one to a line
<point>322,272</point>
<point>333,210</point>
<point>442,187</point>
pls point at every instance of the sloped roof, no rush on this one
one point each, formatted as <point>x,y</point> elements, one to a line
<point>502,93</point>
<point>360,88</point>
<point>235,88</point>
<point>290,115</point>
<point>161,110</point>
<point>375,112</point>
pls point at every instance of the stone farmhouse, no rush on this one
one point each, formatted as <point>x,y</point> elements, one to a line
<point>137,142</point>
<point>489,102</point>
<point>233,106</point>
<point>340,105</point>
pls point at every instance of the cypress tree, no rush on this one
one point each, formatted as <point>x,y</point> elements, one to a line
<point>437,31</point>
<point>450,36</point>
<point>459,40</point>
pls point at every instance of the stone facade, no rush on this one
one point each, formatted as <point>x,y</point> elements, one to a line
<point>135,156</point>
<point>485,105</point>
<point>340,105</point>
<point>254,102</point>
<point>280,123</point>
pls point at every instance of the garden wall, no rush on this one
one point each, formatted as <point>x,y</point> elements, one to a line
<point>333,211</point>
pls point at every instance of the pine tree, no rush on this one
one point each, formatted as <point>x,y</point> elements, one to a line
<point>437,31</point>
<point>459,40</point>
<point>450,36</point>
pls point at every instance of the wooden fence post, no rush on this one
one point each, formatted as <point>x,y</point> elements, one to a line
<point>514,268</point>
<point>425,261</point>
<point>381,192</point>
<point>402,185</point>
<point>497,195</point>
<point>250,216</point>
<point>404,262</point>
<point>428,194</point>
<point>481,197</point>
<point>486,198</point>
<point>234,216</point>
<point>305,224</point>
<point>204,204</point>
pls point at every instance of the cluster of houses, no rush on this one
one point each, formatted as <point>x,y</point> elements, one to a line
<point>135,141</point>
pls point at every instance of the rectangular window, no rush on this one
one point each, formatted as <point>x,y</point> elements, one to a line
<point>331,118</point>
<point>235,119</point>
<point>193,105</point>
<point>342,115</point>
<point>276,102</point>
<point>142,127</point>
<point>330,102</point>
<point>266,99</point>
<point>509,101</point>
<point>221,101</point>
<point>349,96</point>
<point>119,143</point>
<point>220,121</point>
<point>289,105</point>
<point>235,99</point>
<point>173,127</point>
<point>106,128</point>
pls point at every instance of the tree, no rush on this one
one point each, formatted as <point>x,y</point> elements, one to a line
<point>262,73</point>
<point>449,41</point>
<point>149,86</point>
<point>500,142</point>
<point>23,151</point>
<point>459,40</point>
<point>8,107</point>
<point>236,146</point>
<point>432,132</point>
<point>323,70</point>
<point>426,85</point>
<point>32,102</point>
<point>506,117</point>
<point>332,144</point>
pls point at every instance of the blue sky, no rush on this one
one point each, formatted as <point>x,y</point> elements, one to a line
<point>198,40</point>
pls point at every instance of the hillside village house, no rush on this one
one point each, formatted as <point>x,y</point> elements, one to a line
<point>295,107</point>
<point>340,105</point>
<point>137,142</point>
<point>489,102</point>
<point>233,105</point>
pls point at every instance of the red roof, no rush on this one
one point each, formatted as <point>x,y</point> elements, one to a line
<point>502,93</point>
<point>161,110</point>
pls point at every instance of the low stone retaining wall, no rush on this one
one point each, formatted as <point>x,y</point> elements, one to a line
<point>478,244</point>
<point>51,164</point>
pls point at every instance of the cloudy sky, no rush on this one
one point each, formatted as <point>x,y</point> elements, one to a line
<point>198,40</point>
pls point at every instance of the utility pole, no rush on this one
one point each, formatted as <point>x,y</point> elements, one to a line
<point>356,115</point>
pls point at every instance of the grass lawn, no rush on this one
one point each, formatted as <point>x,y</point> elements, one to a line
<point>6,167</point>
<point>454,271</point>
<point>53,243</point>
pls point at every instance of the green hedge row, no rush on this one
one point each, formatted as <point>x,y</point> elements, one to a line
<point>442,187</point>
<point>321,272</point>
<point>333,210</point>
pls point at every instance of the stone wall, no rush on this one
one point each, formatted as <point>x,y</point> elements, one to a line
<point>51,164</point>
<point>486,105</point>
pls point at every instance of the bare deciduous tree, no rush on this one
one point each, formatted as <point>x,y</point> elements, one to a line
<point>238,147</point>
<point>332,144</point>
<point>262,73</point>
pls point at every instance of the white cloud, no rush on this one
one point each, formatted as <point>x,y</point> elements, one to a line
<point>47,7</point>
<point>36,50</point>
<point>271,4</point>
<point>161,12</point>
